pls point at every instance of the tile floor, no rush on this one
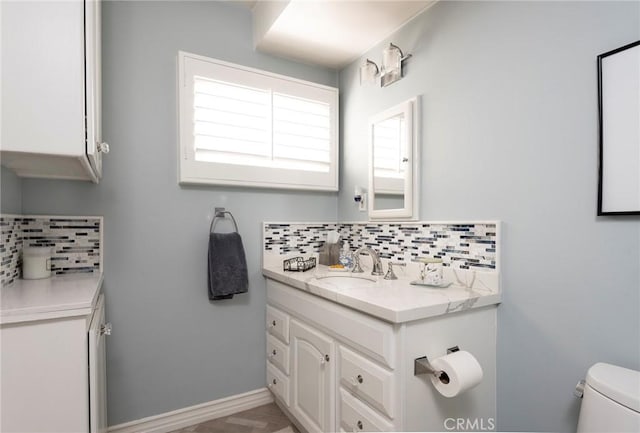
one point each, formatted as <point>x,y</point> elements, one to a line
<point>263,419</point>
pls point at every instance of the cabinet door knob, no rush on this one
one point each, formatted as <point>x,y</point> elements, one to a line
<point>274,353</point>
<point>273,323</point>
<point>357,380</point>
<point>275,382</point>
<point>326,358</point>
<point>105,329</point>
<point>359,424</point>
<point>102,147</point>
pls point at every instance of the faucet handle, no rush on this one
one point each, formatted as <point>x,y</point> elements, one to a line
<point>357,269</point>
<point>390,274</point>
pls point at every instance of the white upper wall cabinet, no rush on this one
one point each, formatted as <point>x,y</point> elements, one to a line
<point>51,89</point>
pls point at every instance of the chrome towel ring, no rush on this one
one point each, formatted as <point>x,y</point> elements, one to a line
<point>220,213</point>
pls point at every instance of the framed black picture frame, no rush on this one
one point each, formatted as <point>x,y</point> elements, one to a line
<point>619,131</point>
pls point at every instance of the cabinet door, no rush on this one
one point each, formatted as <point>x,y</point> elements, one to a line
<point>42,77</point>
<point>93,84</point>
<point>97,370</point>
<point>43,376</point>
<point>312,400</point>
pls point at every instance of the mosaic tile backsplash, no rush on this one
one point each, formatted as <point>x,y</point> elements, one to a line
<point>76,243</point>
<point>460,245</point>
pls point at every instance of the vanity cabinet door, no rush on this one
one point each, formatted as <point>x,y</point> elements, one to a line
<point>312,400</point>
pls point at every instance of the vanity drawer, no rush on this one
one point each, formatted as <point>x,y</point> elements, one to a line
<point>278,353</point>
<point>357,417</point>
<point>367,381</point>
<point>278,323</point>
<point>375,338</point>
<point>278,383</point>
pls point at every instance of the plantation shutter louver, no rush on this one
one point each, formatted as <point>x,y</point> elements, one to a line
<point>236,124</point>
<point>247,127</point>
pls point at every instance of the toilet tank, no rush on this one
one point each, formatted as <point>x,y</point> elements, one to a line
<point>611,401</point>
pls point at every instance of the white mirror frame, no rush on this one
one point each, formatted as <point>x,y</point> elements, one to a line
<point>411,112</point>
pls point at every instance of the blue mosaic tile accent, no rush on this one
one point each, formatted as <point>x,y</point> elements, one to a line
<point>76,243</point>
<point>460,245</point>
<point>10,250</point>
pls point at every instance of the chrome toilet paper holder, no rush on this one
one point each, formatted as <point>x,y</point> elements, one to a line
<point>423,366</point>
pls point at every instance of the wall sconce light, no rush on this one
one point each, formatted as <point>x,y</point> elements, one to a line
<point>391,70</point>
<point>392,59</point>
<point>368,72</point>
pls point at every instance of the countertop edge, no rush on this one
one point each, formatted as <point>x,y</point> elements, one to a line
<point>379,312</point>
<point>38,313</point>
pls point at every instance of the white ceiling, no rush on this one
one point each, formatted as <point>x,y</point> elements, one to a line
<point>331,33</point>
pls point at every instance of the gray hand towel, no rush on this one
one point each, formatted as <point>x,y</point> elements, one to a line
<point>227,266</point>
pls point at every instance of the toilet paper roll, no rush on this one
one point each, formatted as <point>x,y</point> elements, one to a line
<point>461,370</point>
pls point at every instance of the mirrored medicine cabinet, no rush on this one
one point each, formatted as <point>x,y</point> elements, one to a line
<point>393,163</point>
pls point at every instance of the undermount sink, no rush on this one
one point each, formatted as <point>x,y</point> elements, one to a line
<point>346,281</point>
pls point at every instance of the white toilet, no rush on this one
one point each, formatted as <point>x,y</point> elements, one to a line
<point>611,400</point>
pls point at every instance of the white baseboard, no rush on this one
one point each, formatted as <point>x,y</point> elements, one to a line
<point>169,421</point>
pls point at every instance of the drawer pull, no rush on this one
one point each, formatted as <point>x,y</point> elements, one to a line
<point>359,424</point>
<point>324,359</point>
<point>274,353</point>
<point>275,382</point>
<point>357,380</point>
<point>273,324</point>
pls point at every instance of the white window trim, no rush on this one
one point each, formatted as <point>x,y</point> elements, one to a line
<point>191,171</point>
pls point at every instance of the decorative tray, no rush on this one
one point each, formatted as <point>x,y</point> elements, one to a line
<point>299,264</point>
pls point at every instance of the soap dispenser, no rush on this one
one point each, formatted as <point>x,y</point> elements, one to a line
<point>346,258</point>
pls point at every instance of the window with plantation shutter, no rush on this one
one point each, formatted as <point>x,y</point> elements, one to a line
<point>242,126</point>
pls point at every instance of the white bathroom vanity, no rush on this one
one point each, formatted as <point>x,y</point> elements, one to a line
<point>341,348</point>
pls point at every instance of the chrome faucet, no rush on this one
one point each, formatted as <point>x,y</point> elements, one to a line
<point>375,259</point>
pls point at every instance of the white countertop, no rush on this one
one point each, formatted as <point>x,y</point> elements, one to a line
<point>50,298</point>
<point>395,301</point>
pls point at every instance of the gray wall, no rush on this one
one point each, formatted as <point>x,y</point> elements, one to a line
<point>172,348</point>
<point>10,192</point>
<point>509,117</point>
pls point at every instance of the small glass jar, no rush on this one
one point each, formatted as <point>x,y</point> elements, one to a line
<point>36,263</point>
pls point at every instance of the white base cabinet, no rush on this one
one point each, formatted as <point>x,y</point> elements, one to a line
<point>53,375</point>
<point>351,372</point>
